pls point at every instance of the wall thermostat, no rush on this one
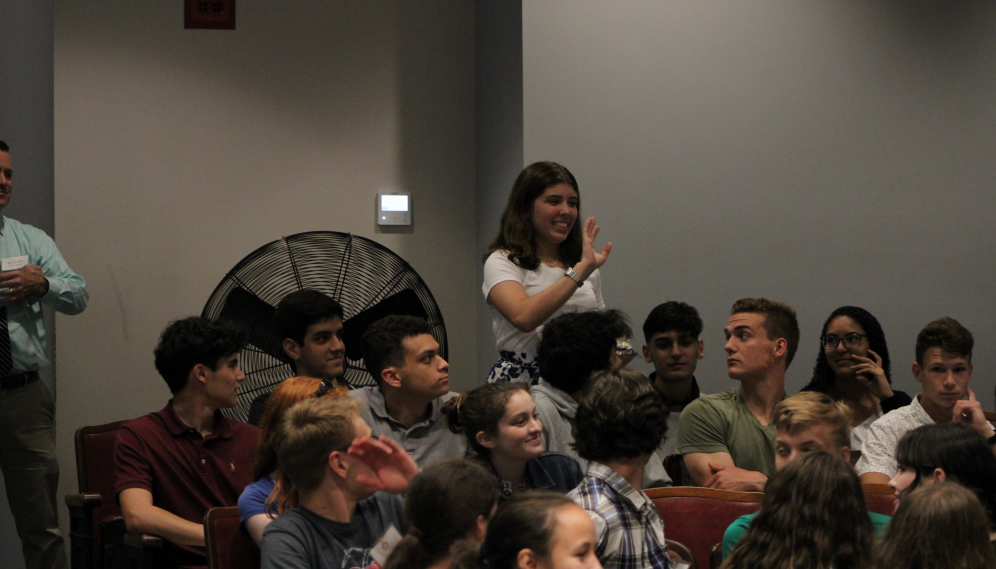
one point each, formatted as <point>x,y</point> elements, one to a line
<point>394,208</point>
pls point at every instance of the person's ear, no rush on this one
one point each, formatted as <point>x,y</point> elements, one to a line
<point>337,464</point>
<point>480,529</point>
<point>781,347</point>
<point>198,373</point>
<point>845,453</point>
<point>701,349</point>
<point>646,355</point>
<point>486,440</point>
<point>292,349</point>
<point>391,377</point>
<point>939,474</point>
<point>527,559</point>
<point>916,372</point>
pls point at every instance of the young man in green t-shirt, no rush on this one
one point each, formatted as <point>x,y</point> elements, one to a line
<point>806,422</point>
<point>726,440</point>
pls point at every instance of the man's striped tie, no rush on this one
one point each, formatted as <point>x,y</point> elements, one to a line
<point>6,361</point>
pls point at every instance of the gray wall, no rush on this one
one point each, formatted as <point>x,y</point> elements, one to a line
<point>178,152</point>
<point>499,139</point>
<point>820,153</point>
<point>26,125</point>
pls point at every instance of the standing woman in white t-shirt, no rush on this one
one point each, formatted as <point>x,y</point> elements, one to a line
<point>541,264</point>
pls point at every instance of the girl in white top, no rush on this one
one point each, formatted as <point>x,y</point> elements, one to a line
<point>541,264</point>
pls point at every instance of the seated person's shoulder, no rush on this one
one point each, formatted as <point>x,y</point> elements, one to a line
<point>362,393</point>
<point>736,531</point>
<point>708,410</point>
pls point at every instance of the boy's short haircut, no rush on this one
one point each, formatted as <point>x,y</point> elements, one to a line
<point>779,321</point>
<point>808,408</point>
<point>191,341</point>
<point>309,432</point>
<point>301,309</point>
<point>577,344</point>
<point>672,316</point>
<point>620,415</point>
<point>383,345</point>
<point>947,334</point>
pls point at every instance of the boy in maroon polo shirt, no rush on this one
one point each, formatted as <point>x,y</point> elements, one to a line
<point>174,465</point>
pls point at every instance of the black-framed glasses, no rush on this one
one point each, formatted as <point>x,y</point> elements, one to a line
<point>851,340</point>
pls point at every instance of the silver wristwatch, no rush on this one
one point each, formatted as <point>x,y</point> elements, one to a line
<point>574,277</point>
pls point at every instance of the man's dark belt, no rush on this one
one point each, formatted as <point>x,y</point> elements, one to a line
<point>19,380</point>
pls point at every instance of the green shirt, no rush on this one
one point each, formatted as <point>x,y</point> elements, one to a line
<point>723,423</point>
<point>739,527</point>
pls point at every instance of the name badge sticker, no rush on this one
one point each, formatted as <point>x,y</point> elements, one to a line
<point>13,263</point>
<point>382,550</point>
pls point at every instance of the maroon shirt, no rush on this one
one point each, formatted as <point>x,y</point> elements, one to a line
<point>187,474</point>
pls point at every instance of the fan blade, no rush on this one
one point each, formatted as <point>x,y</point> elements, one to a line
<point>246,311</point>
<point>405,303</point>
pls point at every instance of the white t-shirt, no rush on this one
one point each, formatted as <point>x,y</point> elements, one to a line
<point>860,432</point>
<point>498,268</point>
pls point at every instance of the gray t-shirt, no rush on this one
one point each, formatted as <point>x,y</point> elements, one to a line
<point>302,539</point>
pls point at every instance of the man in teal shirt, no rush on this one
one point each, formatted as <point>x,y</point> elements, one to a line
<point>806,422</point>
<point>33,272</point>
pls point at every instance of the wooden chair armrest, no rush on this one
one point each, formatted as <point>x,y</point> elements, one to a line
<point>83,501</point>
<point>143,541</point>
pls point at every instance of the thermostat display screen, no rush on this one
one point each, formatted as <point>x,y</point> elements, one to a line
<point>394,203</point>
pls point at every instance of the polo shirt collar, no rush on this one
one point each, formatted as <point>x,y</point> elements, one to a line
<point>378,406</point>
<point>918,412</point>
<point>3,224</point>
<point>619,485</point>
<point>693,394</point>
<point>176,427</point>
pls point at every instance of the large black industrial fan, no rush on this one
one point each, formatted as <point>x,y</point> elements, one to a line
<point>368,279</point>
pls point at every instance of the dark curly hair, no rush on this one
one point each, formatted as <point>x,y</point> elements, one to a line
<point>191,341</point>
<point>958,450</point>
<point>481,410</point>
<point>577,344</point>
<point>382,343</point>
<point>823,376</point>
<point>515,233</point>
<point>812,516</point>
<point>620,415</point>
<point>947,334</point>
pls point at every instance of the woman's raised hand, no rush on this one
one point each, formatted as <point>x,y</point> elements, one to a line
<point>869,371</point>
<point>590,260</point>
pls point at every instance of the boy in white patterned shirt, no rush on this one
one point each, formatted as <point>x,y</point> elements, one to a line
<point>629,530</point>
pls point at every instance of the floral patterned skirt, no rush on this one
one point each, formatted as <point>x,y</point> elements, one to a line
<point>514,367</point>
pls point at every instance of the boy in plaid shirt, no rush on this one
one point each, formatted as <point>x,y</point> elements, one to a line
<point>620,422</point>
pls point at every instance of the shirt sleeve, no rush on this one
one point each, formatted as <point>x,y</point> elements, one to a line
<point>499,268</point>
<point>701,428</point>
<point>66,290</point>
<point>131,468</point>
<point>252,502</point>
<point>878,450</point>
<point>596,286</point>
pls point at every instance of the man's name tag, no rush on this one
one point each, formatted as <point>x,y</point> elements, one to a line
<point>383,548</point>
<point>13,263</point>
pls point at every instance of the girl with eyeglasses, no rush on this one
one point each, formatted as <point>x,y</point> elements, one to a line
<point>852,366</point>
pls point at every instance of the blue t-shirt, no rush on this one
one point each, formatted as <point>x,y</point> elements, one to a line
<point>253,499</point>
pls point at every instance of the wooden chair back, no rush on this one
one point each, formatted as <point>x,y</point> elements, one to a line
<point>96,501</point>
<point>227,546</point>
<point>698,517</point>
<point>879,498</point>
